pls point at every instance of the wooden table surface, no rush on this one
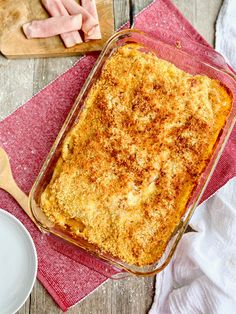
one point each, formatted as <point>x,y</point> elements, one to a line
<point>19,80</point>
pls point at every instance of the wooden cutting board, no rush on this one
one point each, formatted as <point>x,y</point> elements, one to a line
<point>13,44</point>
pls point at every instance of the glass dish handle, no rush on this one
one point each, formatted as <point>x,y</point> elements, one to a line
<point>205,54</point>
<point>200,51</point>
<point>80,256</point>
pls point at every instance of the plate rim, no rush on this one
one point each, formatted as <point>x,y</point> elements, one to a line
<point>34,251</point>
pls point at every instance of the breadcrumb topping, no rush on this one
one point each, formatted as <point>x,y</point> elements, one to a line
<point>128,167</point>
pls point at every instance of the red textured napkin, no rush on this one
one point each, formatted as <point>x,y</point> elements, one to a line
<point>28,134</point>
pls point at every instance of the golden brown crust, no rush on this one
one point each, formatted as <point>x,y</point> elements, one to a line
<point>128,168</point>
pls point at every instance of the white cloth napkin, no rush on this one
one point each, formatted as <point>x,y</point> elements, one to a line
<point>202,275</point>
<point>226,32</point>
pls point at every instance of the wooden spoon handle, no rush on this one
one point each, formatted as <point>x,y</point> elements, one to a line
<point>21,198</point>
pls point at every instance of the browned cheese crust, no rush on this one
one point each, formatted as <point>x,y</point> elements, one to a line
<point>129,166</point>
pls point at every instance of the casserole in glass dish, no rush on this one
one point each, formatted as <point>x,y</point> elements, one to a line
<point>143,250</point>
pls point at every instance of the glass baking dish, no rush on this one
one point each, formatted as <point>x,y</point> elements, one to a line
<point>213,66</point>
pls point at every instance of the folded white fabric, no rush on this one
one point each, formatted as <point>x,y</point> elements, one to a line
<point>202,275</point>
<point>226,31</point>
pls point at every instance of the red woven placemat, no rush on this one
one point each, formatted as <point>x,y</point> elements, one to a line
<point>28,134</point>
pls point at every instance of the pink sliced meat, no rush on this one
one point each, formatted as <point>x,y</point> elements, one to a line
<point>56,8</point>
<point>89,22</point>
<point>52,26</point>
<point>90,6</point>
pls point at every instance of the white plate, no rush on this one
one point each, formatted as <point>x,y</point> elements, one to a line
<point>18,263</point>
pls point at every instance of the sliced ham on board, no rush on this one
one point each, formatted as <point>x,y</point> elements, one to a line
<point>56,8</point>
<point>89,22</point>
<point>90,6</point>
<point>52,26</point>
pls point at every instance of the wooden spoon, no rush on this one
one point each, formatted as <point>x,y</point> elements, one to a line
<point>8,183</point>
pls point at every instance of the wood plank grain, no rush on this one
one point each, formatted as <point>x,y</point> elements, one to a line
<point>13,43</point>
<point>127,296</point>
<point>25,308</point>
